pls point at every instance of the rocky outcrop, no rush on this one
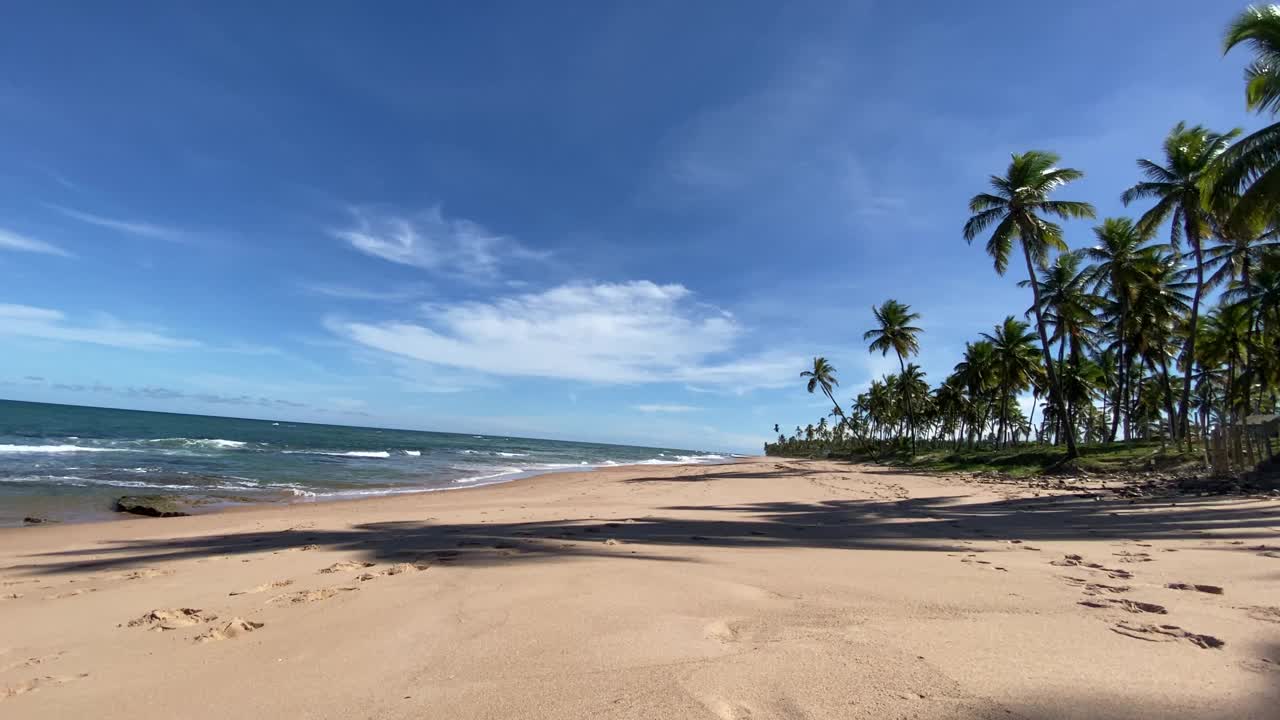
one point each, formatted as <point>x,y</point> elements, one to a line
<point>153,506</point>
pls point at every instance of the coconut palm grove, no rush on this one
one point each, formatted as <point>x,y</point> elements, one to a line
<point>1162,330</point>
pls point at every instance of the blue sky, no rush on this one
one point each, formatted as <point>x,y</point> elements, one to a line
<point>626,222</point>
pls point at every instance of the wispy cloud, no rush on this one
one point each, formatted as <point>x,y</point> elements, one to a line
<point>48,324</point>
<point>431,241</point>
<point>137,228</point>
<point>633,332</point>
<point>155,392</point>
<point>659,408</point>
<point>10,240</point>
<point>346,292</point>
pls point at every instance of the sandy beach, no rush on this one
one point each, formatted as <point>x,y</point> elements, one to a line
<point>762,589</point>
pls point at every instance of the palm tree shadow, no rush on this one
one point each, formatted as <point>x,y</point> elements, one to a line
<point>938,524</point>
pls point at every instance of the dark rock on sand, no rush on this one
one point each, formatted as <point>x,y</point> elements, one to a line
<point>152,506</point>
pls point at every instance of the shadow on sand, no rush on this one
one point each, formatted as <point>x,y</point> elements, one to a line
<point>919,524</point>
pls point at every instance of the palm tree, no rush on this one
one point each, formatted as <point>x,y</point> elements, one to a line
<point>1066,302</point>
<point>823,375</point>
<point>976,372</point>
<point>1189,157</point>
<point>1121,259</point>
<point>1158,307</point>
<point>1249,170</point>
<point>1017,210</point>
<point>915,396</point>
<point>896,333</point>
<point>1015,363</point>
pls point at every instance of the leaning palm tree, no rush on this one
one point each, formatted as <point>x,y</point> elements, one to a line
<point>895,332</point>
<point>1190,155</point>
<point>1250,169</point>
<point>823,375</point>
<point>1018,209</point>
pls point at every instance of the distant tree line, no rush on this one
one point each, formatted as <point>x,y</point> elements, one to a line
<point>1123,339</point>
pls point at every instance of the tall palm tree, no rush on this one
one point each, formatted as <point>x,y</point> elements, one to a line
<point>1190,155</point>
<point>1017,209</point>
<point>1250,169</point>
<point>895,332</point>
<point>1120,261</point>
<point>1015,363</point>
<point>977,373</point>
<point>1067,303</point>
<point>823,375</point>
<point>1158,307</point>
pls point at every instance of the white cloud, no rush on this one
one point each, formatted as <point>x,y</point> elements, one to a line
<point>431,241</point>
<point>660,408</point>
<point>129,227</point>
<point>634,332</point>
<point>47,324</point>
<point>10,240</point>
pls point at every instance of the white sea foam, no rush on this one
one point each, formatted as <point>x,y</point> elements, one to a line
<point>213,443</point>
<point>20,449</point>
<point>78,481</point>
<point>359,454</point>
<point>414,453</point>
<point>347,453</point>
<point>511,454</point>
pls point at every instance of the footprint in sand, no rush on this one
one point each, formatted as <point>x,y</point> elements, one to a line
<point>1092,588</point>
<point>1265,613</point>
<point>303,597</point>
<point>346,566</point>
<point>72,593</point>
<point>172,619</point>
<point>1165,633</point>
<point>144,573</point>
<point>1126,556</point>
<point>233,629</point>
<point>34,684</point>
<point>723,630</point>
<point>33,661</point>
<point>1078,561</point>
<point>1132,606</point>
<point>1261,665</point>
<point>273,585</point>
<point>1211,589</point>
<point>10,596</point>
<point>728,709</point>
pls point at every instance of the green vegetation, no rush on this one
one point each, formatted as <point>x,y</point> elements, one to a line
<point>1035,459</point>
<point>1146,353</point>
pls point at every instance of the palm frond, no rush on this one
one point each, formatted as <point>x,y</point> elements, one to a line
<point>981,221</point>
<point>1067,209</point>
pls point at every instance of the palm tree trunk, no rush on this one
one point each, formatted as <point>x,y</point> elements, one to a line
<point>1055,391</point>
<point>1031,418</point>
<point>1167,392</point>
<point>1193,237</point>
<point>1121,370</point>
<point>906,402</point>
<point>1004,410</point>
<point>833,401</point>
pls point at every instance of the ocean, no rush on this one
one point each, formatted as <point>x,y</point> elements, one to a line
<point>70,463</point>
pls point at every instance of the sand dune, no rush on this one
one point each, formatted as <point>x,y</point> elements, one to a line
<point>764,589</point>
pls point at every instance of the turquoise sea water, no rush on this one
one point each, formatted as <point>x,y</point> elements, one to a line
<point>68,462</point>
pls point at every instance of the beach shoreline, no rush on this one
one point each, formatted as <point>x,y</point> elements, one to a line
<point>757,588</point>
<point>35,507</point>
